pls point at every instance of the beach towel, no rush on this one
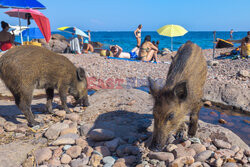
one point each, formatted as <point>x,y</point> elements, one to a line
<point>117,58</point>
<point>74,45</point>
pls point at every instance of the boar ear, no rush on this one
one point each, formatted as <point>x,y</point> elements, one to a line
<point>152,87</point>
<point>180,90</point>
<point>80,74</point>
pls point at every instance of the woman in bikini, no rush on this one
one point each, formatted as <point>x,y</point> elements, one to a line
<point>6,38</point>
<point>148,51</point>
<point>137,33</point>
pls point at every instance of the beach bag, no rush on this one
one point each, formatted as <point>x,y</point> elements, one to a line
<point>133,55</point>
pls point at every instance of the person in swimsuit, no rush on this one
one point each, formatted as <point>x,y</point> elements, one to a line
<point>117,52</point>
<point>6,38</point>
<point>137,33</point>
<point>245,48</point>
<point>148,51</point>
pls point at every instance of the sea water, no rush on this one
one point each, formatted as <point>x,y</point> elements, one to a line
<point>127,39</point>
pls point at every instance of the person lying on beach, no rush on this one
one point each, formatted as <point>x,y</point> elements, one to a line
<point>245,47</point>
<point>147,50</point>
<point>6,38</point>
<point>137,33</point>
<point>117,52</point>
<point>87,46</point>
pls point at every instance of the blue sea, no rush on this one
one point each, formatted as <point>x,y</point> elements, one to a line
<point>127,40</point>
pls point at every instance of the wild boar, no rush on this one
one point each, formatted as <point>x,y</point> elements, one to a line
<point>25,68</point>
<point>180,96</point>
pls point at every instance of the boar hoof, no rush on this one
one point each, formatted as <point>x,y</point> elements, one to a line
<point>33,123</point>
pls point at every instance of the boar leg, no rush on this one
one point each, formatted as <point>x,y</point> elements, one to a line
<point>63,96</point>
<point>50,96</point>
<point>194,116</point>
<point>23,102</point>
<point>85,101</point>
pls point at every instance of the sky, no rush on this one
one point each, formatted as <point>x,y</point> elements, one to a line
<point>126,15</point>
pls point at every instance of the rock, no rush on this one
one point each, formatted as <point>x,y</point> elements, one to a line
<point>221,144</point>
<point>162,156</point>
<point>96,44</point>
<point>9,126</point>
<point>132,150</point>
<point>230,165</point>
<point>29,162</point>
<point>198,148</point>
<point>203,156</point>
<point>78,163</point>
<point>196,164</point>
<point>208,103</point>
<point>223,152</point>
<point>171,147</point>
<point>235,148</point>
<point>212,63</point>
<point>182,151</point>
<point>69,130</point>
<point>181,161</point>
<point>1,130</point>
<point>72,116</point>
<point>84,129</point>
<point>101,135</point>
<point>43,154</point>
<point>103,150</point>
<point>88,151</point>
<point>109,160</point>
<point>58,37</point>
<point>74,151</point>
<point>63,141</point>
<point>113,144</point>
<point>53,132</point>
<point>57,152</point>
<point>95,160</point>
<point>54,162</point>
<point>65,159</point>
<point>222,121</point>
<point>129,160</point>
<point>186,143</point>
<point>66,147</point>
<point>212,147</point>
<point>239,155</point>
<point>81,142</point>
<point>247,152</point>
<point>244,73</point>
<point>2,121</point>
<point>60,113</point>
<point>119,164</point>
<point>120,151</point>
<point>218,162</point>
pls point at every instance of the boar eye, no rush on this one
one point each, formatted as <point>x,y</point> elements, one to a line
<point>170,117</point>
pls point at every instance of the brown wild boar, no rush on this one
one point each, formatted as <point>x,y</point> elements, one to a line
<point>180,96</point>
<point>25,68</point>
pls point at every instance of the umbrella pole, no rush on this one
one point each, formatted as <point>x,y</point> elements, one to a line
<point>214,44</point>
<point>171,44</point>
<point>20,28</point>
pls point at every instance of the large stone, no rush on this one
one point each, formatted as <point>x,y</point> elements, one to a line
<point>182,151</point>
<point>69,130</point>
<point>81,142</point>
<point>179,162</point>
<point>9,126</point>
<point>113,144</point>
<point>101,135</point>
<point>73,117</point>
<point>221,144</point>
<point>132,150</point>
<point>103,150</point>
<point>85,128</point>
<point>203,156</point>
<point>74,151</point>
<point>63,141</point>
<point>53,132</point>
<point>162,156</point>
<point>244,73</point>
<point>198,148</point>
<point>43,154</point>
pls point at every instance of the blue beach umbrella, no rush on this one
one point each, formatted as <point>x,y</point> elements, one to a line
<point>34,33</point>
<point>74,30</point>
<point>34,4</point>
<point>21,4</point>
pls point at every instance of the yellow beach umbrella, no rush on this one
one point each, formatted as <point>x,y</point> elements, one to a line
<point>172,31</point>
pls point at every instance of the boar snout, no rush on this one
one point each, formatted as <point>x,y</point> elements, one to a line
<point>83,101</point>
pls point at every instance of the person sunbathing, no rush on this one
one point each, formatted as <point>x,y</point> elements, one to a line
<point>6,38</point>
<point>147,50</point>
<point>117,52</point>
<point>245,48</point>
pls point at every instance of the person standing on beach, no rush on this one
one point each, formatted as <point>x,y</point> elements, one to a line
<point>89,35</point>
<point>137,33</point>
<point>231,34</point>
